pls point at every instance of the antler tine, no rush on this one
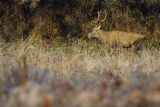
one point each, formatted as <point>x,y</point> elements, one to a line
<point>104,17</point>
<point>98,21</point>
<point>93,23</point>
<point>98,15</point>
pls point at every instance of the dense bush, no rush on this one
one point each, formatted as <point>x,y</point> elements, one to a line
<point>49,19</point>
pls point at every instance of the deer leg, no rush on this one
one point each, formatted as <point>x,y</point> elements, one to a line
<point>139,47</point>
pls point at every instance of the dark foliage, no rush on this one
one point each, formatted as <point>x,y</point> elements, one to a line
<point>71,18</point>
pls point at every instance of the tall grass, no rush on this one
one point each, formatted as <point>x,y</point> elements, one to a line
<point>84,74</point>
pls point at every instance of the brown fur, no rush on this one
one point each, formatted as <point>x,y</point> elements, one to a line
<point>119,38</point>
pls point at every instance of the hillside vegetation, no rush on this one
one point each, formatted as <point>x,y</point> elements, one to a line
<point>47,20</point>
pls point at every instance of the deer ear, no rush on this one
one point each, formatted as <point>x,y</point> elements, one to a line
<point>99,27</point>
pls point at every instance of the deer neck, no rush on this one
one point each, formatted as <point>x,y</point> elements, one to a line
<point>102,35</point>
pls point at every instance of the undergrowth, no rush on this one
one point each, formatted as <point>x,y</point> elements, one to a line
<point>71,19</point>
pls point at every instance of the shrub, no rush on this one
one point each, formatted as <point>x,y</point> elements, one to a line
<point>72,18</point>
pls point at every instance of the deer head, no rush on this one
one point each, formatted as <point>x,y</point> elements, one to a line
<point>97,24</point>
<point>94,32</point>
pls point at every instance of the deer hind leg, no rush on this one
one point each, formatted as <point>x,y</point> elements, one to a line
<point>139,47</point>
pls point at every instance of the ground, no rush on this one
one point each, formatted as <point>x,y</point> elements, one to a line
<point>80,74</point>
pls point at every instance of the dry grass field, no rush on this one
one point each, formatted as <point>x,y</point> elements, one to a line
<point>80,74</point>
<point>46,59</point>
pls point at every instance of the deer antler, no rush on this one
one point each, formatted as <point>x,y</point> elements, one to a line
<point>105,16</point>
<point>98,21</point>
<point>98,15</point>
